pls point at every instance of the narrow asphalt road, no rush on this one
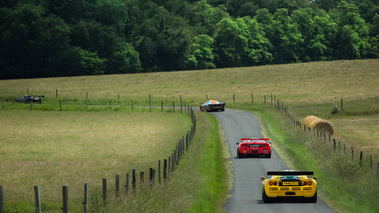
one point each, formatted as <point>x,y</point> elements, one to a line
<point>246,195</point>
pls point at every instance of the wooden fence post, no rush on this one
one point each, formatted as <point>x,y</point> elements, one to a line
<point>142,177</point>
<point>271,99</point>
<point>38,199</point>
<point>104,191</point>
<point>234,98</point>
<point>181,104</point>
<point>252,98</point>
<point>360,158</point>
<point>334,144</point>
<point>85,203</point>
<point>159,171</point>
<point>352,153</point>
<point>1,199</point>
<point>56,92</point>
<point>173,106</point>
<point>165,169</point>
<point>134,180</point>
<point>265,99</point>
<point>65,198</point>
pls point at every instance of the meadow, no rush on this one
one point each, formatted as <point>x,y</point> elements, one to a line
<point>306,89</point>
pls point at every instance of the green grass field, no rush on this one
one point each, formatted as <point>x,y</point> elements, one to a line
<point>306,89</point>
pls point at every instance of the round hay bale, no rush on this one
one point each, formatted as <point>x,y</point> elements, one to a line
<point>318,123</point>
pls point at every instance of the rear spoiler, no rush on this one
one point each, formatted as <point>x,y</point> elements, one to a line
<point>255,139</point>
<point>289,172</point>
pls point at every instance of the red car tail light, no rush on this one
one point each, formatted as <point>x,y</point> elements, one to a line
<point>309,183</point>
<point>305,183</point>
<point>275,183</point>
<point>270,183</point>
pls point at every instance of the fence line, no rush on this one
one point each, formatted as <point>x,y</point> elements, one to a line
<point>168,170</point>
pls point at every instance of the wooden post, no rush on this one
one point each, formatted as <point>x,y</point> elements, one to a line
<point>104,191</point>
<point>360,158</point>
<point>38,199</point>
<point>169,166</point>
<point>339,146</point>
<point>159,171</point>
<point>234,98</point>
<point>117,185</point>
<point>352,153</point>
<point>181,104</point>
<point>142,177</point>
<point>65,198</point>
<point>85,203</point>
<point>173,106</point>
<point>1,199</point>
<point>134,180</point>
<point>150,175</point>
<point>334,144</point>
<point>207,98</point>
<point>252,98</point>
<point>265,99</point>
<point>165,169</point>
<point>56,93</point>
<point>271,99</point>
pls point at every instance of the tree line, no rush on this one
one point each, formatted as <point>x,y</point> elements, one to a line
<point>51,38</point>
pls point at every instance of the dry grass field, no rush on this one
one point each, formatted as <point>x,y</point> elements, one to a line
<point>306,88</point>
<point>52,149</point>
<point>56,140</point>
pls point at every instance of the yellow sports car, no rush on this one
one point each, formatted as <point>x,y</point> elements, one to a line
<point>289,184</point>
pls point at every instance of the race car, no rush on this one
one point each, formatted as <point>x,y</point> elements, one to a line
<point>289,184</point>
<point>212,105</point>
<point>254,146</point>
<point>28,99</point>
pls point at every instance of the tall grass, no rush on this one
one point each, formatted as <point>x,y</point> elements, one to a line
<point>197,185</point>
<point>52,149</point>
<point>348,184</point>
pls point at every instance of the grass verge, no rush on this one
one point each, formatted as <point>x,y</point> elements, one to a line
<point>197,185</point>
<point>345,184</point>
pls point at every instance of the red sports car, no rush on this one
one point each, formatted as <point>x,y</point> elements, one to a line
<point>254,146</point>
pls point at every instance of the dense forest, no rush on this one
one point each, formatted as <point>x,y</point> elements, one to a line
<point>50,38</point>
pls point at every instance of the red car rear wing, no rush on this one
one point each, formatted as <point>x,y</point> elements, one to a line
<point>254,139</point>
<point>289,172</point>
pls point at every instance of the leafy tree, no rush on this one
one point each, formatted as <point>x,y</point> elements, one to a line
<point>124,60</point>
<point>353,32</point>
<point>259,47</point>
<point>318,31</point>
<point>285,37</point>
<point>200,54</point>
<point>230,45</point>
